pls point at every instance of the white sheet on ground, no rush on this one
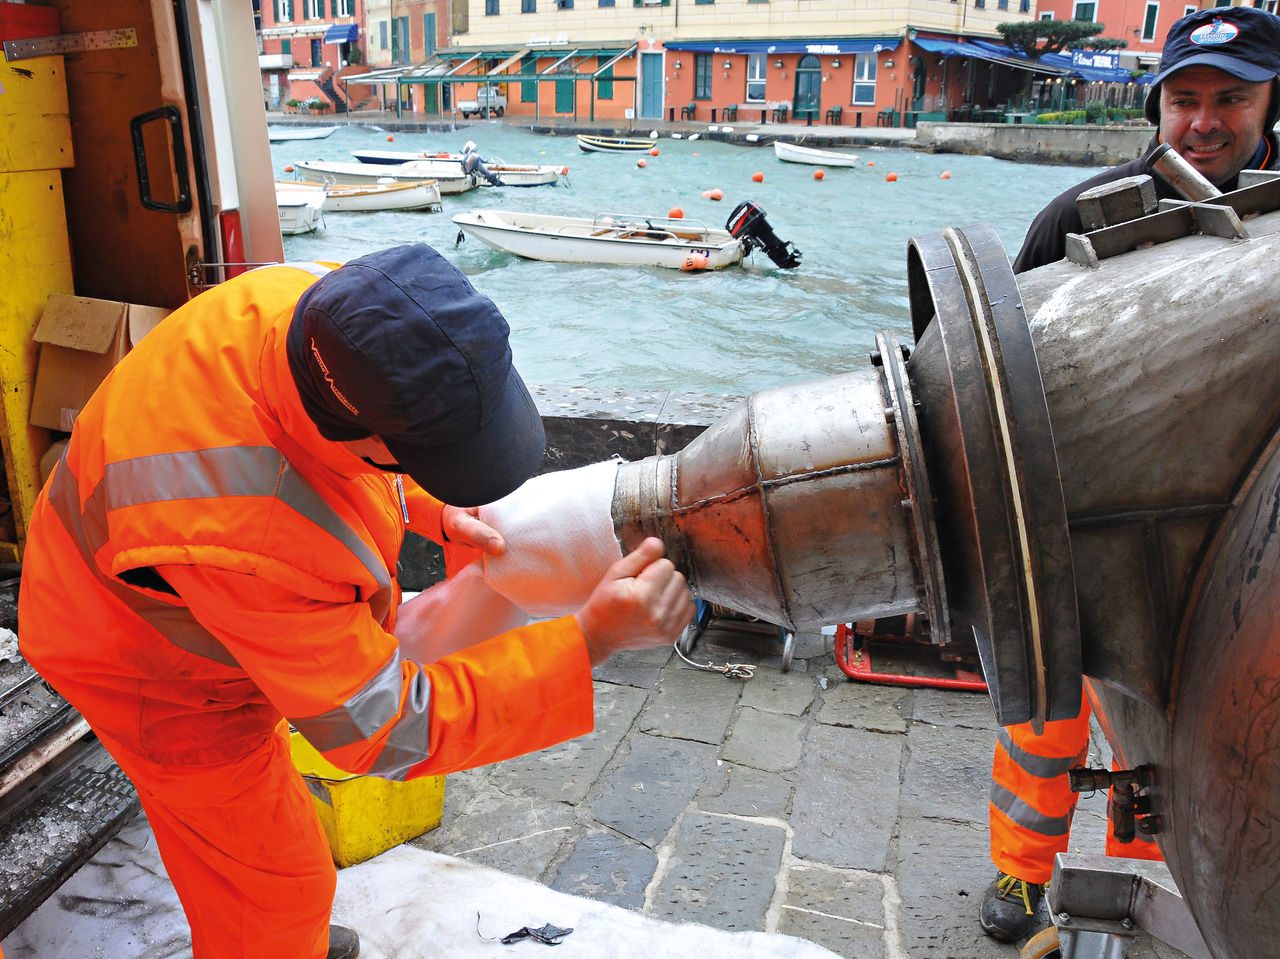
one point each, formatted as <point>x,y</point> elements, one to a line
<point>405,904</point>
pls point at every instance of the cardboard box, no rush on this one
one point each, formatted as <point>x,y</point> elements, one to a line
<point>81,339</point>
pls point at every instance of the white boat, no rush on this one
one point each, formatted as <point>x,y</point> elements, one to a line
<point>597,144</point>
<point>448,175</point>
<point>511,174</point>
<point>280,134</point>
<point>614,239</point>
<point>794,153</point>
<point>300,211</point>
<point>369,197</point>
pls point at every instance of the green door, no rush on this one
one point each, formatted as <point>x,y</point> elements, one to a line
<point>430,100</point>
<point>564,95</point>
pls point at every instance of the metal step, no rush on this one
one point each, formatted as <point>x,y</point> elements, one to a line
<point>61,826</point>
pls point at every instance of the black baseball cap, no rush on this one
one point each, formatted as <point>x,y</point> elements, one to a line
<point>399,344</point>
<point>1241,41</point>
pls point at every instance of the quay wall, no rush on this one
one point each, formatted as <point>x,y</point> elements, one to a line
<point>1088,145</point>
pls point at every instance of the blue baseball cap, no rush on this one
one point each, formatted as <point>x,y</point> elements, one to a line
<point>399,344</point>
<point>1241,41</point>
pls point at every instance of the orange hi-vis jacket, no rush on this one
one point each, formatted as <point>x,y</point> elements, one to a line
<point>202,562</point>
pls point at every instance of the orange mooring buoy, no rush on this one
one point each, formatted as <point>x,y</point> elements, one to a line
<point>694,262</point>
<point>944,175</point>
<point>871,163</point>
<point>289,168</point>
<point>641,162</point>
<point>713,194</point>
<point>653,152</point>
<point>891,178</point>
<point>676,213</point>
<point>391,138</point>
<point>819,174</point>
<point>758,176</point>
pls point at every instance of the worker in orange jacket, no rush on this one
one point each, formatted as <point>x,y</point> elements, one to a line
<point>216,553</point>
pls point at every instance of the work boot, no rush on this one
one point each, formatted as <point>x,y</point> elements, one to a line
<point>1009,907</point>
<point>343,943</point>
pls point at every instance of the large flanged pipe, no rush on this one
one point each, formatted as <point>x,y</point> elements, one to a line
<point>1002,523</point>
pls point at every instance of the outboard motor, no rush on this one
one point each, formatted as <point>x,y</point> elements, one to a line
<point>747,223</point>
<point>473,162</point>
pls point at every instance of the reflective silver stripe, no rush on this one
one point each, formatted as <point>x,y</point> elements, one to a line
<point>88,532</point>
<point>201,474</point>
<point>295,492</point>
<point>1044,767</point>
<point>1025,816</point>
<point>371,708</point>
<point>239,471</point>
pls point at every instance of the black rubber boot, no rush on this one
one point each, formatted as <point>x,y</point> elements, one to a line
<point>343,943</point>
<point>1009,908</point>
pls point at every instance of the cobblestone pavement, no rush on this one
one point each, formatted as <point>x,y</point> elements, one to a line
<point>800,802</point>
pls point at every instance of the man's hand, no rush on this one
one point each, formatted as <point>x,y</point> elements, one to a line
<point>640,602</point>
<point>464,526</point>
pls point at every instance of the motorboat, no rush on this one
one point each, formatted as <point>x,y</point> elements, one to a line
<point>795,153</point>
<point>624,239</point>
<point>369,197</point>
<point>280,134</point>
<point>508,174</point>
<point>611,239</point>
<point>300,211</point>
<point>448,175</point>
<point>597,144</point>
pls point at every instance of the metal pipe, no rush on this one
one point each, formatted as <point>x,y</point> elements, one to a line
<point>1181,175</point>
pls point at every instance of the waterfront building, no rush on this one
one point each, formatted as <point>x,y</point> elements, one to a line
<point>306,51</point>
<point>713,61</point>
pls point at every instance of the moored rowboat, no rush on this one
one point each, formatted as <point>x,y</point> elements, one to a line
<point>794,153</point>
<point>281,134</point>
<point>447,174</point>
<point>612,239</point>
<point>595,144</point>
<point>368,197</point>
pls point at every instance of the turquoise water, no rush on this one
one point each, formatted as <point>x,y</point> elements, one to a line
<point>731,331</point>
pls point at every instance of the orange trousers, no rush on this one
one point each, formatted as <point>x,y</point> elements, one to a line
<point>263,892</point>
<point>1031,799</point>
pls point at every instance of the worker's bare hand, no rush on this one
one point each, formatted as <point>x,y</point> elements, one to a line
<point>465,526</point>
<point>641,601</point>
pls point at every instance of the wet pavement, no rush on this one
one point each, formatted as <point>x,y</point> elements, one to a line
<point>801,802</point>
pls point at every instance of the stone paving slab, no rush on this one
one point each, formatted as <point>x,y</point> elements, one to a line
<point>747,792</point>
<point>948,773</point>
<point>767,741</point>
<point>645,792</point>
<point>668,712</point>
<point>842,909</point>
<point>721,871</point>
<point>605,866</point>
<point>847,796</point>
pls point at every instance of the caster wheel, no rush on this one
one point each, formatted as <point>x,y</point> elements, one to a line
<point>1043,945</point>
<point>788,647</point>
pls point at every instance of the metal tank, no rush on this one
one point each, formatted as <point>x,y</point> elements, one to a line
<point>1079,470</point>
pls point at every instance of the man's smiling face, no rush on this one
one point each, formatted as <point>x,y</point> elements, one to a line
<point>1213,119</point>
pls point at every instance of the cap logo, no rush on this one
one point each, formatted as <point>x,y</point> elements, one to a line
<point>1214,34</point>
<point>315,351</point>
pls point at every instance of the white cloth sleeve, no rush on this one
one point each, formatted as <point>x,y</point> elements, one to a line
<point>559,533</point>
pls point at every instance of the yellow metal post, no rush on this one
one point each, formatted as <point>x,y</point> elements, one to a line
<point>35,260</point>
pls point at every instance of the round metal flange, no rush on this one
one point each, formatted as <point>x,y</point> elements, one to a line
<point>915,480</point>
<point>989,443</point>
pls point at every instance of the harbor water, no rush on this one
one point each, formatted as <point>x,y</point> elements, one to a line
<point>727,332</point>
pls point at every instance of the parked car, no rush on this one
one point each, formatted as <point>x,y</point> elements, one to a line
<point>488,98</point>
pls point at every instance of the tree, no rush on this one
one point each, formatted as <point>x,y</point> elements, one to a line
<point>1057,35</point>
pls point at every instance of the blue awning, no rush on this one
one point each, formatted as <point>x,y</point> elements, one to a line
<point>1091,65</point>
<point>991,52</point>
<point>342,33</point>
<point>819,47</point>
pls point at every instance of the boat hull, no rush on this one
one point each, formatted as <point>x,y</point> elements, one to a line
<point>590,144</point>
<point>282,134</point>
<point>299,214</point>
<point>449,177</point>
<point>579,240</point>
<point>368,198</point>
<point>794,153</point>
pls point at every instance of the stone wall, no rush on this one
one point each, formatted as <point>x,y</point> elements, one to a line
<point>1088,145</point>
